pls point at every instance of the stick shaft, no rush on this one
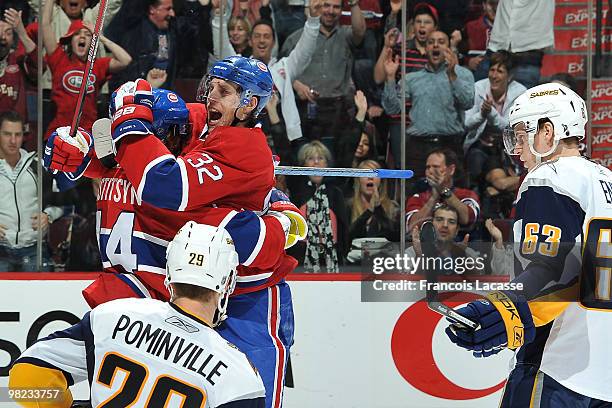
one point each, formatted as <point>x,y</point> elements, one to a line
<point>458,320</point>
<point>342,172</point>
<point>91,58</point>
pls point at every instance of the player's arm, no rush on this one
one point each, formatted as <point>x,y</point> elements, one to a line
<point>259,241</point>
<point>550,224</point>
<point>54,362</point>
<point>200,178</point>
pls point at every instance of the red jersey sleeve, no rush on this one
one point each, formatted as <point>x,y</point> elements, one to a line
<point>55,59</point>
<point>470,199</point>
<point>414,204</point>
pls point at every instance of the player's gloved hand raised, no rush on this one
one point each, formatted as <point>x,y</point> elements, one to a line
<point>505,322</point>
<point>130,110</point>
<point>298,228</point>
<point>65,153</point>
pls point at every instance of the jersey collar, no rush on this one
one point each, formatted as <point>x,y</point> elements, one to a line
<point>189,314</point>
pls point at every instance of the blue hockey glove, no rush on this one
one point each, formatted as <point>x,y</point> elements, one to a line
<point>505,322</point>
<point>130,110</point>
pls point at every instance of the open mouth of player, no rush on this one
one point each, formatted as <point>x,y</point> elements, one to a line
<point>214,116</point>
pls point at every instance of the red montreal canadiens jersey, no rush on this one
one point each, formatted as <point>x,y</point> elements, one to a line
<point>154,227</point>
<point>133,236</point>
<point>232,167</point>
<point>67,76</point>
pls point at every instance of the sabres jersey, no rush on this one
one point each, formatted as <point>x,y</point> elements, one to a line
<point>563,226</point>
<point>143,353</point>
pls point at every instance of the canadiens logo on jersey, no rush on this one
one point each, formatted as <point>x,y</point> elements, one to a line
<point>71,81</point>
<point>12,69</point>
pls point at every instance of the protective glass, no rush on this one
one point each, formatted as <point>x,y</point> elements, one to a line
<point>202,93</point>
<point>512,139</point>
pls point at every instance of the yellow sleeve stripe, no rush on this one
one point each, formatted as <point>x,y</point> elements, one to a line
<point>545,309</point>
<point>26,375</point>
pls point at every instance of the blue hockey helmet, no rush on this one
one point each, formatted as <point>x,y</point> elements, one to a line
<point>251,75</point>
<point>170,112</point>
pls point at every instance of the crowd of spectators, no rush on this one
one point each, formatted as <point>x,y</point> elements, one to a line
<point>337,72</point>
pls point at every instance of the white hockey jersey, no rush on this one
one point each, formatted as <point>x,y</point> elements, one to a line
<point>148,353</point>
<point>564,219</point>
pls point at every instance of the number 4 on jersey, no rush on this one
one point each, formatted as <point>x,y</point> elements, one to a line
<point>118,248</point>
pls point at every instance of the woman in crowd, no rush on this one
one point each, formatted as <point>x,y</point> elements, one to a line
<point>486,120</point>
<point>239,30</point>
<point>323,206</point>
<point>373,213</point>
<point>67,60</point>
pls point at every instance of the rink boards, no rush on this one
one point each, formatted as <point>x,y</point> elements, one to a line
<point>347,353</point>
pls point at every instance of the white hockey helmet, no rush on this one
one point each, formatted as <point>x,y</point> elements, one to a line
<point>565,109</point>
<point>204,256</point>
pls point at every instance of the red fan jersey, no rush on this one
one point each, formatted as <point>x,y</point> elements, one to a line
<point>67,77</point>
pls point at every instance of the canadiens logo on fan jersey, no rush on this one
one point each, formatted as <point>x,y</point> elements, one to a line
<point>12,69</point>
<point>71,81</point>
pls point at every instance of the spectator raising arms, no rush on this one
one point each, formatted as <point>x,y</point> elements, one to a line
<point>13,69</point>
<point>373,213</point>
<point>440,93</point>
<point>67,60</point>
<point>155,38</point>
<point>323,89</point>
<point>285,69</point>
<point>360,143</point>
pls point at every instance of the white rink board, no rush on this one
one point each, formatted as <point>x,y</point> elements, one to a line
<point>342,354</point>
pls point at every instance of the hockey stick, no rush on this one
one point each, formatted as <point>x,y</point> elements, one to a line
<point>91,57</point>
<point>342,172</point>
<point>428,246</point>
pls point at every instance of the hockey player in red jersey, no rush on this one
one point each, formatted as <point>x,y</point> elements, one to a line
<point>133,235</point>
<point>261,291</point>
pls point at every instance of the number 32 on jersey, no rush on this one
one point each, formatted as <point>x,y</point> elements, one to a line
<point>214,172</point>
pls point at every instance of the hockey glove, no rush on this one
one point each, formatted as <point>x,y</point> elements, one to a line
<point>505,322</point>
<point>298,228</point>
<point>130,110</point>
<point>65,153</point>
